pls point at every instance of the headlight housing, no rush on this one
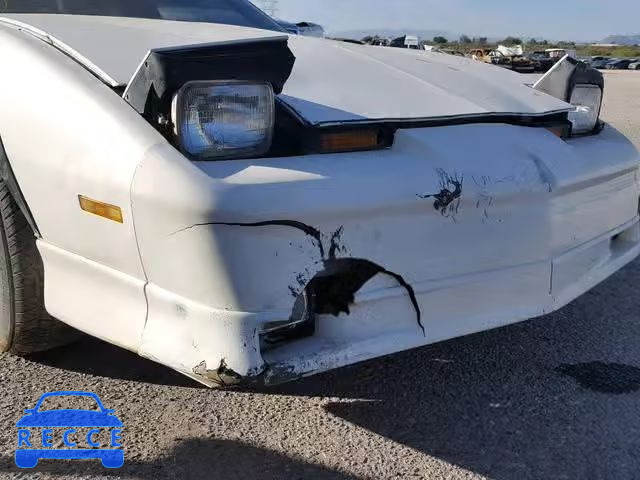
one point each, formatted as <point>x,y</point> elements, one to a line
<point>216,120</point>
<point>587,100</point>
<point>581,86</point>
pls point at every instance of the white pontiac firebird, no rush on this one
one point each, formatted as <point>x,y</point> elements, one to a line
<point>182,179</point>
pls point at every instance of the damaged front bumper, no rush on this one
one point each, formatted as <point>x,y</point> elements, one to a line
<point>371,253</point>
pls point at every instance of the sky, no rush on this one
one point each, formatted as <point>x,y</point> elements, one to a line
<point>579,20</point>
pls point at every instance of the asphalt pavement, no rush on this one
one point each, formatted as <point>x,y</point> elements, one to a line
<point>554,398</point>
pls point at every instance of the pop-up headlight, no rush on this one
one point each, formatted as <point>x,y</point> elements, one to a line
<point>213,101</point>
<point>580,85</point>
<point>586,100</point>
<point>223,119</point>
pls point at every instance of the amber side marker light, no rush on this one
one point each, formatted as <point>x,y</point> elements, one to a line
<point>560,131</point>
<point>101,209</point>
<point>353,140</point>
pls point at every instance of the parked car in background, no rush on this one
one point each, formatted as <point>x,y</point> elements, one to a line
<point>622,64</point>
<point>406,41</point>
<point>541,61</point>
<point>634,66</point>
<point>517,63</point>
<point>558,53</point>
<point>251,207</point>
<point>601,62</point>
<point>596,58</point>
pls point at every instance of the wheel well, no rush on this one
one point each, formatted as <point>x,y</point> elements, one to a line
<point>9,178</point>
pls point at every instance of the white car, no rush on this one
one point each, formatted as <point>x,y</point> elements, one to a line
<point>248,207</point>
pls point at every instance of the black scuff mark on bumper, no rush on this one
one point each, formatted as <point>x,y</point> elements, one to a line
<point>449,199</point>
<point>545,173</point>
<point>485,198</point>
<point>310,231</point>
<point>341,278</point>
<point>335,246</point>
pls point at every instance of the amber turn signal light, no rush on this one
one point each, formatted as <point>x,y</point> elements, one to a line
<point>560,131</point>
<point>353,140</point>
<point>101,209</point>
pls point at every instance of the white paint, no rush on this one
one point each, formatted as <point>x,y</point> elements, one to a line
<point>67,134</point>
<point>540,220</point>
<point>63,47</point>
<point>547,201</point>
<point>183,334</point>
<point>326,85</point>
<point>327,79</point>
<point>91,297</point>
<point>116,45</point>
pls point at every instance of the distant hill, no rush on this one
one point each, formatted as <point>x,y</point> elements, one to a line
<point>392,33</point>
<point>623,39</point>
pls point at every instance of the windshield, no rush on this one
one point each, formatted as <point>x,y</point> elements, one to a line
<point>230,12</point>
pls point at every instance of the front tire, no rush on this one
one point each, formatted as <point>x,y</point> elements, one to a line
<point>25,326</point>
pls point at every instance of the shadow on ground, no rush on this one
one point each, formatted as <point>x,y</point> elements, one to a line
<point>557,397</point>
<point>93,357</point>
<point>193,459</point>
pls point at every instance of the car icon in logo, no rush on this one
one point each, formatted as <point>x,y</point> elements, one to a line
<point>37,428</point>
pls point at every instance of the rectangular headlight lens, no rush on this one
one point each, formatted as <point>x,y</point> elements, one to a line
<point>586,100</point>
<point>224,119</point>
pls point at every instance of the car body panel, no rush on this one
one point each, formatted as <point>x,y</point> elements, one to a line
<point>401,84</point>
<point>209,253</point>
<point>117,45</point>
<point>543,214</point>
<point>67,134</point>
<point>326,83</point>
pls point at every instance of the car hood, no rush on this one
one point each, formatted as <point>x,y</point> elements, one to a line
<point>331,82</point>
<point>69,418</point>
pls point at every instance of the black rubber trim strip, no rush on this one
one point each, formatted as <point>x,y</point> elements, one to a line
<point>526,120</point>
<point>517,120</point>
<point>9,178</point>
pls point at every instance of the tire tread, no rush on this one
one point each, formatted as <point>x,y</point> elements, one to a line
<point>33,329</point>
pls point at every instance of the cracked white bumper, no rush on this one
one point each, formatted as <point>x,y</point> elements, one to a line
<point>538,222</point>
